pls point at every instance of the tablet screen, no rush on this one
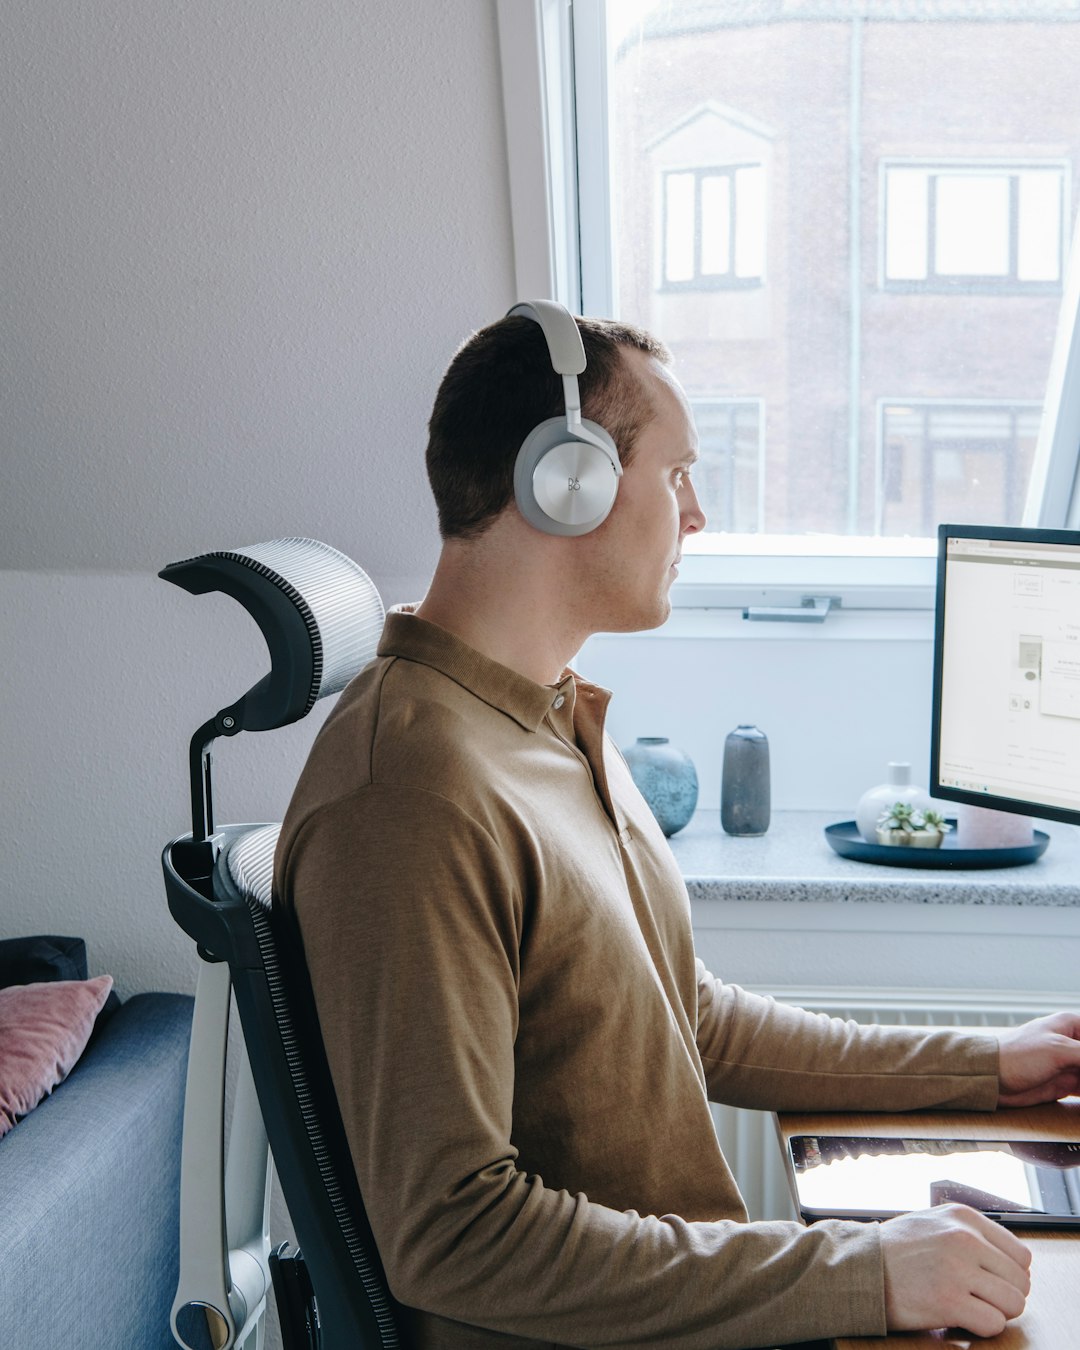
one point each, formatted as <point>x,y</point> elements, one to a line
<point>1018,1181</point>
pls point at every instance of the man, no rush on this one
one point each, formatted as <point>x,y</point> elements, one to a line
<point>499,942</point>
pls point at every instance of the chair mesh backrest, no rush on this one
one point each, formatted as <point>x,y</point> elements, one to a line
<point>336,597</point>
<point>250,860</point>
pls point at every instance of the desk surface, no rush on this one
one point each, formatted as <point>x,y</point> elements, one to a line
<point>1049,1321</point>
<point>792,862</point>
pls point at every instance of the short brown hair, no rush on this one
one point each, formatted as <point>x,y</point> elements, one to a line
<point>499,385</point>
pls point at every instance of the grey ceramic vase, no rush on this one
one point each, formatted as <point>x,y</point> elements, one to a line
<point>666,778</point>
<point>744,790</point>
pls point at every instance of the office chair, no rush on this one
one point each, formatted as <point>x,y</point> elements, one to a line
<point>321,617</point>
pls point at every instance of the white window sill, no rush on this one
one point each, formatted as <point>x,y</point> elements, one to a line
<point>859,583</point>
<point>728,624</point>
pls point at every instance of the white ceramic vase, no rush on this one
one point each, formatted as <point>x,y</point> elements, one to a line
<point>898,787</point>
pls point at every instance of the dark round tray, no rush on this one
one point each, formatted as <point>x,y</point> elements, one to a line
<point>845,838</point>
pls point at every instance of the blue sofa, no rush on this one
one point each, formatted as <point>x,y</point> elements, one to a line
<point>90,1188</point>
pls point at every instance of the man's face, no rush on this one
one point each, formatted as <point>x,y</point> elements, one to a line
<point>633,554</point>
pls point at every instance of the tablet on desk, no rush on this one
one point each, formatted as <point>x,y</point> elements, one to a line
<point>1020,1183</point>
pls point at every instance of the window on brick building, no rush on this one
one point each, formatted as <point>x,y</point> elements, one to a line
<point>962,462</point>
<point>728,475</point>
<point>905,194</point>
<point>968,227</point>
<point>713,227</point>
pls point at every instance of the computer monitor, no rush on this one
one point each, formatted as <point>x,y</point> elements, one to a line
<point>1006,706</point>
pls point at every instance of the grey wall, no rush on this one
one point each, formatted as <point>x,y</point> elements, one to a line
<point>240,243</point>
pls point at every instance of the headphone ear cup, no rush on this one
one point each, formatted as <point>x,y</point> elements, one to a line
<point>563,485</point>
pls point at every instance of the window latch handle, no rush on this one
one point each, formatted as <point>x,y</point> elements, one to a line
<point>812,609</point>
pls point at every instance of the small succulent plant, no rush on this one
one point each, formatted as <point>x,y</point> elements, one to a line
<point>911,820</point>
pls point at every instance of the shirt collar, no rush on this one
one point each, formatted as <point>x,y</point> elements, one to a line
<point>415,639</point>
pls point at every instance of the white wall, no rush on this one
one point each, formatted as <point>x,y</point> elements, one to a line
<point>240,244</point>
<point>837,701</point>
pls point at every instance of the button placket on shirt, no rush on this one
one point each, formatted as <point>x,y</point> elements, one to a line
<point>561,719</point>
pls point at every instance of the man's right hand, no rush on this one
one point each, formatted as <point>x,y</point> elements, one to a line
<point>952,1267</point>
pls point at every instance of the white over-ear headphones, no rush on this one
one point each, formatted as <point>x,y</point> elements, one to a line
<point>567,471</point>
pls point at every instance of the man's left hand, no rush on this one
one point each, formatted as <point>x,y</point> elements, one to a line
<point>1040,1060</point>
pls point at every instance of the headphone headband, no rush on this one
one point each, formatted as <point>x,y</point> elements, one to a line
<point>567,353</point>
<point>560,330</point>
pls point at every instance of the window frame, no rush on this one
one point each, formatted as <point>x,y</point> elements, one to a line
<point>926,406</point>
<point>701,280</point>
<point>559,176</point>
<point>731,403</point>
<point>948,283</point>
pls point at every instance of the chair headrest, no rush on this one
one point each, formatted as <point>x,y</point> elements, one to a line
<point>318,610</point>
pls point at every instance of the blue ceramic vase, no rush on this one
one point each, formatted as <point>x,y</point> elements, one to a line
<point>666,778</point>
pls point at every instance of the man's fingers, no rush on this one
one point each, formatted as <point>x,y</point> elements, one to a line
<point>981,1317</point>
<point>1039,1060</point>
<point>1008,1244</point>
<point>1002,1295</point>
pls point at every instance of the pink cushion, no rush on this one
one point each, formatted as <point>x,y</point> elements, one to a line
<point>43,1031</point>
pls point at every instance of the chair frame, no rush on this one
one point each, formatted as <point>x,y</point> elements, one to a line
<point>218,883</point>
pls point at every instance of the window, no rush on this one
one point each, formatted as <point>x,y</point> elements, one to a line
<point>965,463</point>
<point>793,198</point>
<point>968,227</point>
<point>728,476</point>
<point>714,227</point>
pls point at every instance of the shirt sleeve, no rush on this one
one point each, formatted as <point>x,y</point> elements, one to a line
<point>775,1057</point>
<point>412,926</point>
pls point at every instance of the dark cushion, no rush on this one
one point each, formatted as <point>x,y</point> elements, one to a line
<point>39,960</point>
<point>44,960</point>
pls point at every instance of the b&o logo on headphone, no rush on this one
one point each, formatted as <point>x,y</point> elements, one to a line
<point>573,485</point>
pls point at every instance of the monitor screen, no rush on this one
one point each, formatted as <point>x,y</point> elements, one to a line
<point>1006,709</point>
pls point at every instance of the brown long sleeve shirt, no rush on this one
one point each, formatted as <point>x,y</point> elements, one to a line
<point>524,1046</point>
